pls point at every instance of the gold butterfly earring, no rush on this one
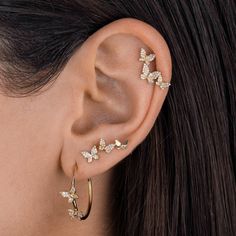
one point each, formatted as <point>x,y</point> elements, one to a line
<point>93,154</point>
<point>151,77</point>
<point>73,197</point>
<point>108,148</point>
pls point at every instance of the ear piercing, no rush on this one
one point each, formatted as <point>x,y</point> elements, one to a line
<point>93,154</point>
<point>151,77</point>
<point>72,195</point>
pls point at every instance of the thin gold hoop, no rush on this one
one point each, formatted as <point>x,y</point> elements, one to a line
<point>72,198</point>
<point>90,200</point>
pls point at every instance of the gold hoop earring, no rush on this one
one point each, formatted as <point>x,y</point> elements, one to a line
<point>72,198</point>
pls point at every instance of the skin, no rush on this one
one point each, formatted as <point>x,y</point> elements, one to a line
<point>98,94</point>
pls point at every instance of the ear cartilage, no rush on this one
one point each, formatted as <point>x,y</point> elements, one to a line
<point>93,154</point>
<point>154,77</point>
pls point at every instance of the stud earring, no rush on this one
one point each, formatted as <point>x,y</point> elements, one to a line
<point>151,77</point>
<point>72,196</point>
<point>93,154</point>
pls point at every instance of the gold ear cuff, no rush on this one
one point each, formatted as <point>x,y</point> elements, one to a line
<point>154,77</point>
<point>93,154</point>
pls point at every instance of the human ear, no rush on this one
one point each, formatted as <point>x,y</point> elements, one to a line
<point>111,101</point>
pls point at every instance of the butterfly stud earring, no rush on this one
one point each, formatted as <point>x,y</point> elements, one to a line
<point>151,77</point>
<point>93,154</point>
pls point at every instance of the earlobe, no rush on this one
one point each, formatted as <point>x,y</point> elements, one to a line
<point>118,66</point>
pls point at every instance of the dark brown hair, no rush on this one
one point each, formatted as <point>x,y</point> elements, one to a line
<point>181,179</point>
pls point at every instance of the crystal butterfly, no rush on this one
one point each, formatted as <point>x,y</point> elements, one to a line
<point>146,58</point>
<point>149,76</point>
<point>119,145</point>
<point>162,84</point>
<point>71,195</point>
<point>107,148</point>
<point>91,155</point>
<point>75,213</point>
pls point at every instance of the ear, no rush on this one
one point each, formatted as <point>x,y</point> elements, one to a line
<point>111,101</point>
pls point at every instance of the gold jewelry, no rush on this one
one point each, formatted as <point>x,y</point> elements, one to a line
<point>151,77</point>
<point>72,198</point>
<point>93,154</point>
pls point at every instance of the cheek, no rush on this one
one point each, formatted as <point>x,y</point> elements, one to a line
<point>31,139</point>
<point>32,128</point>
<point>29,133</point>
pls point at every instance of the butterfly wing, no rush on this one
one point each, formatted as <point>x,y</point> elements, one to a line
<point>160,78</point>
<point>64,194</point>
<point>145,72</point>
<point>150,58</point>
<point>94,152</point>
<point>71,213</point>
<point>87,156</point>
<point>109,148</point>
<point>146,58</point>
<point>142,55</point>
<point>164,85</point>
<point>124,145</point>
<point>102,144</point>
<point>153,76</point>
<point>117,143</point>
